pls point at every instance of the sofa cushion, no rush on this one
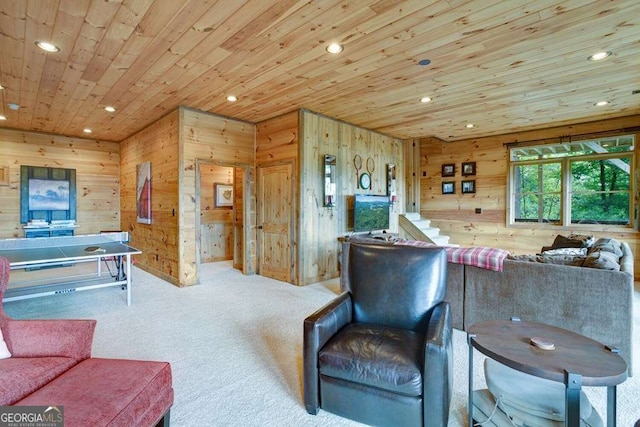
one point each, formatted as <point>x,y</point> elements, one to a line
<point>602,259</point>
<point>109,392</point>
<point>22,376</point>
<point>609,245</point>
<point>389,362</point>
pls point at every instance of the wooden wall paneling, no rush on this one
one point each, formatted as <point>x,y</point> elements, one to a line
<point>216,139</point>
<point>412,175</point>
<point>455,214</point>
<point>158,241</point>
<point>97,165</point>
<point>277,142</point>
<point>320,135</point>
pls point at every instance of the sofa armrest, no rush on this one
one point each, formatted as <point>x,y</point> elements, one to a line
<point>438,365</point>
<point>43,338</point>
<point>318,329</point>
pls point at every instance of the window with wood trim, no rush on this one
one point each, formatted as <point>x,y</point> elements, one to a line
<point>577,182</point>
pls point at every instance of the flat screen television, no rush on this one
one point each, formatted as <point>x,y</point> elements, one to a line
<point>370,213</point>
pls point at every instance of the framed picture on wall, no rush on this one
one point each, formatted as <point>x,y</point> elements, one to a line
<point>448,169</point>
<point>448,187</point>
<point>143,193</point>
<point>223,194</point>
<point>468,186</point>
<point>469,169</point>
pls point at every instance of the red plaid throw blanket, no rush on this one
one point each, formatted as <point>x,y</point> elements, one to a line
<point>478,256</point>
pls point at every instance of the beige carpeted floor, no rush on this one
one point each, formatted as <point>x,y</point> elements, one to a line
<point>235,346</point>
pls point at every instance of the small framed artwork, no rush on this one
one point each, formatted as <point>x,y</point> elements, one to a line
<point>223,195</point>
<point>469,169</point>
<point>448,187</point>
<point>448,169</point>
<point>468,186</point>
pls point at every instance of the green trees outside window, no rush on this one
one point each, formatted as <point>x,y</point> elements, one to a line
<point>586,182</point>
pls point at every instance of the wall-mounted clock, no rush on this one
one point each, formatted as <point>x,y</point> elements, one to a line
<point>365,181</point>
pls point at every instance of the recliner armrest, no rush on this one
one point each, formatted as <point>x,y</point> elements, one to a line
<point>45,338</point>
<point>318,329</point>
<point>438,365</point>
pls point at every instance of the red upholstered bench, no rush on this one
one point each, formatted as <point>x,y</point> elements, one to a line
<point>110,392</point>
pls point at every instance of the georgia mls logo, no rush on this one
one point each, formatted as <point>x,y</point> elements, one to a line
<point>31,416</point>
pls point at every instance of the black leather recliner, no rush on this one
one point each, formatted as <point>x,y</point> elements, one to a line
<point>381,352</point>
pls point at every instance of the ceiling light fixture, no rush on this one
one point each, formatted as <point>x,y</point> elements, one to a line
<point>601,103</point>
<point>425,99</point>
<point>3,118</point>
<point>109,109</point>
<point>424,62</point>
<point>232,98</point>
<point>46,46</point>
<point>86,130</point>
<point>334,48</point>
<point>600,55</point>
<point>13,106</point>
<point>470,125</point>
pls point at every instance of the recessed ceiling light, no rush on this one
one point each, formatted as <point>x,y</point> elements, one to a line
<point>425,99</point>
<point>424,62</point>
<point>598,56</point>
<point>334,48</point>
<point>1,87</point>
<point>470,125</point>
<point>3,118</point>
<point>602,103</point>
<point>86,130</point>
<point>232,98</point>
<point>110,109</point>
<point>47,46</point>
<point>13,106</point>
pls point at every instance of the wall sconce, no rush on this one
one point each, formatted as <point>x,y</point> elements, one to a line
<point>392,191</point>
<point>329,181</point>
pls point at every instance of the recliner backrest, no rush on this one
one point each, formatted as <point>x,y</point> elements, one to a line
<point>396,286</point>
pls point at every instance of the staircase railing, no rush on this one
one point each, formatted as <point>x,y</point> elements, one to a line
<point>408,230</point>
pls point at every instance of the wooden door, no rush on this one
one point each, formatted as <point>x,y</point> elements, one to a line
<point>275,222</point>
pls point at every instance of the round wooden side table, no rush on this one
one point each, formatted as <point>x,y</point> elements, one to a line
<point>575,360</point>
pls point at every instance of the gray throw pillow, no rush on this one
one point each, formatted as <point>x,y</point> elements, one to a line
<point>602,259</point>
<point>609,245</point>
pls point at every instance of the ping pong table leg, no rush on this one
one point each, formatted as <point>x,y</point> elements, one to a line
<point>128,279</point>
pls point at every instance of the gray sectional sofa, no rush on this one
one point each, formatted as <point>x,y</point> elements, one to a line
<point>595,302</point>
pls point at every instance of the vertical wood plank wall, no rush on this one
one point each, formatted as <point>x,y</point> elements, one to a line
<point>97,165</point>
<point>277,142</point>
<point>216,223</point>
<point>455,214</point>
<point>218,140</point>
<point>158,241</point>
<point>318,247</point>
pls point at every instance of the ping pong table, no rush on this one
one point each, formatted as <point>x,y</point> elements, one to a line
<point>39,252</point>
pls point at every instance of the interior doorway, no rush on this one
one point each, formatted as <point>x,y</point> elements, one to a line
<point>220,214</point>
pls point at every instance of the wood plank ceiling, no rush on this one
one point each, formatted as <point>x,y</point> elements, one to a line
<point>502,65</point>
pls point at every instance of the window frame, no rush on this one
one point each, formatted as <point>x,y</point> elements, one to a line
<point>566,190</point>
